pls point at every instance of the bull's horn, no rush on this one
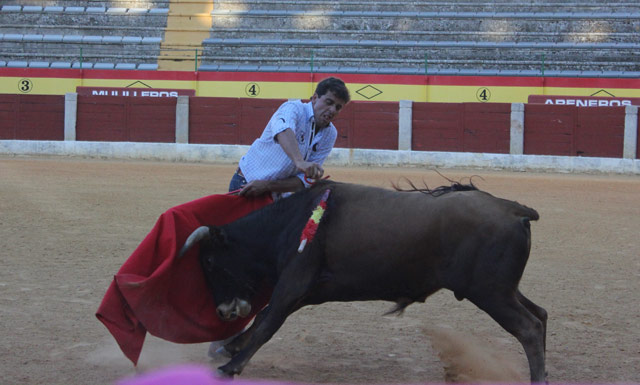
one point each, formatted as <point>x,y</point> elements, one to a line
<point>199,234</point>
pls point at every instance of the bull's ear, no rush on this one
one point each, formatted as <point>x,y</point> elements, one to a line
<point>218,235</point>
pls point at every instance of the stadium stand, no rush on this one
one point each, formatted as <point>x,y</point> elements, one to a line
<point>539,37</point>
<point>87,34</point>
<point>406,37</point>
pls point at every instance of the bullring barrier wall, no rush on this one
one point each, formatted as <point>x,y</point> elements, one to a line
<point>499,135</point>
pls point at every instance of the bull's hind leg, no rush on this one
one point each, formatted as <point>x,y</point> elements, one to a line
<point>537,311</point>
<point>516,319</point>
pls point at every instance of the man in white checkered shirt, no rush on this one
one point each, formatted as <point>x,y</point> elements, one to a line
<point>294,145</point>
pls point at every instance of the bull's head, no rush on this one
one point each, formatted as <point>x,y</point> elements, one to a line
<point>228,280</point>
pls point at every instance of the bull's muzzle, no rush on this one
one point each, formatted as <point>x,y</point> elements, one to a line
<point>234,309</point>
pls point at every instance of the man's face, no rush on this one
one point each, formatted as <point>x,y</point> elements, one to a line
<point>326,108</point>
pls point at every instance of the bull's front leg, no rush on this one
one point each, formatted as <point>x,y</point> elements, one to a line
<point>238,343</point>
<point>293,284</point>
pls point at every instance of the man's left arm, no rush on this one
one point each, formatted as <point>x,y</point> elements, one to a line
<point>259,187</point>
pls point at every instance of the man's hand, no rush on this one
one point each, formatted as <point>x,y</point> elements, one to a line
<point>258,187</point>
<point>255,188</point>
<point>287,140</point>
<point>310,170</point>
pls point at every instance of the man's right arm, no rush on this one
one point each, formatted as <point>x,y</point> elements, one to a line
<point>287,140</point>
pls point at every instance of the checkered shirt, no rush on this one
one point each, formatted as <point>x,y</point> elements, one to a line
<point>266,160</point>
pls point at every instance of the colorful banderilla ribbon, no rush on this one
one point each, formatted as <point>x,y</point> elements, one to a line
<point>311,227</point>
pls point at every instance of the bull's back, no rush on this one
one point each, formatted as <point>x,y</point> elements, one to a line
<point>390,242</point>
<point>366,216</point>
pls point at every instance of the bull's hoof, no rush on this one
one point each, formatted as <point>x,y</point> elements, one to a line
<point>228,371</point>
<point>222,374</point>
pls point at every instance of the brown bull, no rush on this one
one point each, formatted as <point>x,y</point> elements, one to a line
<point>375,244</point>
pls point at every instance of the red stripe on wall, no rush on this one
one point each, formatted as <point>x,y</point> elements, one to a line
<point>514,81</point>
<point>596,83</point>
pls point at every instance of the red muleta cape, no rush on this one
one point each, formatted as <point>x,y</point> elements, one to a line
<point>168,297</point>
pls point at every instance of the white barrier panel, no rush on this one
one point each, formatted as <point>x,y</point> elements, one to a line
<point>219,153</point>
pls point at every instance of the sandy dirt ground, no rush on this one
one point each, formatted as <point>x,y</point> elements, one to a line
<point>67,225</point>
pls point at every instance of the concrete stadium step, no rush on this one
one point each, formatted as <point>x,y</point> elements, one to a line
<point>429,14</point>
<point>413,35</point>
<point>78,39</point>
<point>416,67</point>
<point>37,9</point>
<point>92,3</point>
<point>64,51</point>
<point>556,56</point>
<point>413,71</point>
<point>83,65</point>
<point>354,44</point>
<point>447,6</point>
<point>97,19</point>
<point>434,61</point>
<point>562,23</point>
<point>80,30</point>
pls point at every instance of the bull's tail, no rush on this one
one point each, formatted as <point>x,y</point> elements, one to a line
<point>530,213</point>
<point>198,235</point>
<point>522,211</point>
<point>526,214</point>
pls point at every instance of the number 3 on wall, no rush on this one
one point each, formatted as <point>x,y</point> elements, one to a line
<point>25,86</point>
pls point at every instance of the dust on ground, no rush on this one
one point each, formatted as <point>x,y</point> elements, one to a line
<point>68,224</point>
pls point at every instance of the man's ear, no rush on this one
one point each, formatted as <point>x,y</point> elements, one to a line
<point>218,236</point>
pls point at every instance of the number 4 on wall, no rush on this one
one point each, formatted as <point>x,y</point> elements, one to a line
<point>252,90</point>
<point>483,95</point>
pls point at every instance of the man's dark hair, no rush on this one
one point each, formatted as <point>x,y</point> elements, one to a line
<point>334,85</point>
